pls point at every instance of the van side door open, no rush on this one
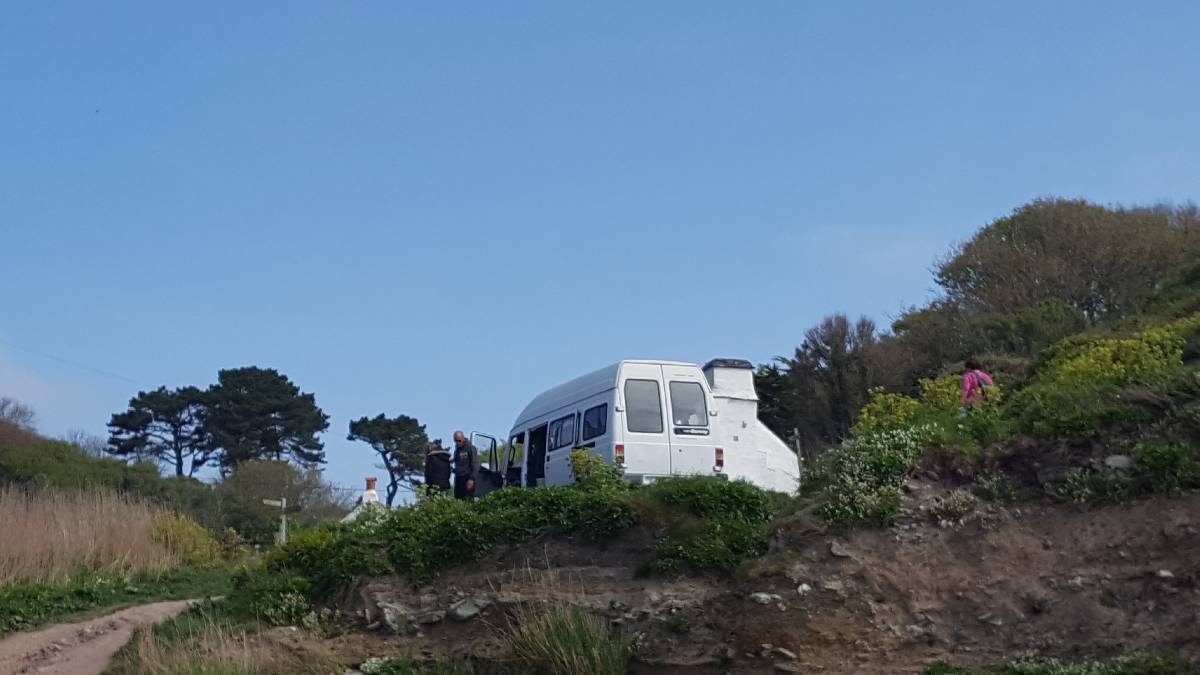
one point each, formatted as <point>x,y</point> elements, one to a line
<point>491,475</point>
<point>693,443</point>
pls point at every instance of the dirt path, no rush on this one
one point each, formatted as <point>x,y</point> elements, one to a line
<point>83,648</point>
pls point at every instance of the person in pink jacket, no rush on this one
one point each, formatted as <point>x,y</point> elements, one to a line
<point>973,382</point>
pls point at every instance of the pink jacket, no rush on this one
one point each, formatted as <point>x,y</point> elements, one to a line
<point>972,383</point>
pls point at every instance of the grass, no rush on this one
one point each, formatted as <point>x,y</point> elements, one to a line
<point>50,536</point>
<point>1129,664</point>
<point>24,606</point>
<point>564,640</point>
<point>206,641</point>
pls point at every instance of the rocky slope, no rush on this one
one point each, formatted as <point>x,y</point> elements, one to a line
<point>1050,579</point>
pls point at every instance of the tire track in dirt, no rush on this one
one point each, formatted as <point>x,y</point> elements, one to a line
<point>82,648</point>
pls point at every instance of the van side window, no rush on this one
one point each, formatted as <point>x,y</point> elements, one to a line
<point>688,408</point>
<point>595,421</point>
<point>643,407</point>
<point>562,432</point>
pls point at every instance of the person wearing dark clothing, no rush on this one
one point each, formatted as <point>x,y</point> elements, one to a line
<point>466,467</point>
<point>437,469</point>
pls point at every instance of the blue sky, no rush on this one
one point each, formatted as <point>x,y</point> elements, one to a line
<point>440,209</point>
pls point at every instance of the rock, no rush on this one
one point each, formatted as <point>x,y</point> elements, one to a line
<point>1076,582</point>
<point>837,550</point>
<point>1119,462</point>
<point>787,668</point>
<point>653,598</point>
<point>468,608</point>
<point>784,653</point>
<point>989,619</point>
<point>374,625</point>
<point>429,616</point>
<point>396,616</point>
<point>1165,574</point>
<point>833,585</point>
<point>803,589</point>
<point>618,606</point>
<point>765,598</point>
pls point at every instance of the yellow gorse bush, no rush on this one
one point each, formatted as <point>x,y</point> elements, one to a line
<point>885,412</point>
<point>185,539</point>
<point>1150,353</point>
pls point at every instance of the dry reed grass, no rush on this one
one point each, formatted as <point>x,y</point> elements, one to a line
<point>200,644</point>
<point>48,536</point>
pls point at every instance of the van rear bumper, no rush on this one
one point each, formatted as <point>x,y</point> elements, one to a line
<point>647,478</point>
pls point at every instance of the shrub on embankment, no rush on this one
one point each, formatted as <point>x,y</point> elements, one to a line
<point>701,524</point>
<point>1136,395</point>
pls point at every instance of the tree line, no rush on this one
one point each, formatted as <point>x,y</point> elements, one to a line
<point>250,414</point>
<point>1050,269</point>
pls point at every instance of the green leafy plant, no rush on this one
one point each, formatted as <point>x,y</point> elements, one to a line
<point>1087,486</point>
<point>1166,467</point>
<point>996,487</point>
<point>953,506</point>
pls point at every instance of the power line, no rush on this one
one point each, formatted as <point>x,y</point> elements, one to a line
<point>69,362</point>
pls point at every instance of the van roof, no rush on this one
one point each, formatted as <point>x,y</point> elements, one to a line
<point>595,382</point>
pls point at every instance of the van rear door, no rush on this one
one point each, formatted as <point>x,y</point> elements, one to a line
<point>689,402</point>
<point>642,401</point>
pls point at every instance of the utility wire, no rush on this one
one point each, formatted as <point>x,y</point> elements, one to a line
<point>69,362</point>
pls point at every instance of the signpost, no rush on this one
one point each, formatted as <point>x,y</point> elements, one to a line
<point>282,504</point>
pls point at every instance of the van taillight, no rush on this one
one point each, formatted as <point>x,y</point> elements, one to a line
<point>719,457</point>
<point>619,454</point>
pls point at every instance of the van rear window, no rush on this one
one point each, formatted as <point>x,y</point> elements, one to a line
<point>688,408</point>
<point>643,407</point>
<point>595,421</point>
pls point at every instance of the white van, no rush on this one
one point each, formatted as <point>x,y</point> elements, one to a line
<point>652,419</point>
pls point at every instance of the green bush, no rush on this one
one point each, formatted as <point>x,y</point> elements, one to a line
<point>273,599</point>
<point>704,497</point>
<point>1166,467</point>
<point>442,532</point>
<point>1076,391</point>
<point>1086,486</point>
<point>996,487</point>
<point>886,412</point>
<point>713,544</point>
<point>593,473</point>
<point>191,544</point>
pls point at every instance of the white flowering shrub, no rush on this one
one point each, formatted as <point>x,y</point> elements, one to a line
<point>865,474</point>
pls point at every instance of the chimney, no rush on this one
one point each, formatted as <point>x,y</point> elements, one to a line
<point>370,496</point>
<point>731,378</point>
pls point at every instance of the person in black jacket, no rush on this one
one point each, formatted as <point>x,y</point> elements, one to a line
<point>466,467</point>
<point>437,469</point>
